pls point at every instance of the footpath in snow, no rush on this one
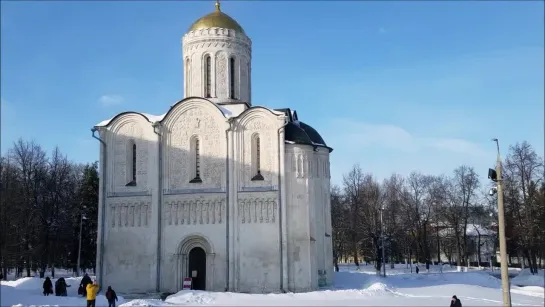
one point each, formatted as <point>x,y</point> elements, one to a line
<point>352,288</point>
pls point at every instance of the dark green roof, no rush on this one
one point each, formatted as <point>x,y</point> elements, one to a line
<point>300,133</point>
<point>294,133</point>
<point>313,134</point>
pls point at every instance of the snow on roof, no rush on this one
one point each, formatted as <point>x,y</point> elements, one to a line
<point>157,118</point>
<point>476,230</point>
<point>473,230</point>
<point>226,112</point>
<point>154,118</point>
<point>151,118</point>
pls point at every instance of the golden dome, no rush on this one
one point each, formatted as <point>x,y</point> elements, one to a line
<point>216,19</point>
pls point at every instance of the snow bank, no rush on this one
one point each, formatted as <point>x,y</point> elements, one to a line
<point>525,278</point>
<point>352,288</point>
<point>144,302</point>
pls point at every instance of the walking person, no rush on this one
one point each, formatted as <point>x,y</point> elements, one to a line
<point>48,286</point>
<point>455,302</point>
<point>86,280</point>
<point>111,296</point>
<point>62,291</point>
<point>92,290</point>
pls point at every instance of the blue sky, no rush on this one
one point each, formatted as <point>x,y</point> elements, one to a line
<point>394,86</point>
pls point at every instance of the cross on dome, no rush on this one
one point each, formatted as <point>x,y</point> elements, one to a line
<point>216,19</point>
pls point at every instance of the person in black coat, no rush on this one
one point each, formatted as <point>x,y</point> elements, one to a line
<point>111,297</point>
<point>455,302</point>
<point>84,282</point>
<point>60,287</point>
<point>48,286</point>
<point>57,289</point>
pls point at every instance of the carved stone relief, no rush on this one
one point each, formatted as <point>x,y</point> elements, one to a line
<point>196,81</point>
<point>244,89</point>
<point>129,131</point>
<point>299,162</point>
<point>197,122</point>
<point>221,75</point>
<point>130,214</point>
<point>224,44</point>
<point>192,212</point>
<point>257,210</point>
<point>269,153</point>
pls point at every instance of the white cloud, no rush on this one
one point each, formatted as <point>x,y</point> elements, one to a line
<point>434,114</point>
<point>390,136</point>
<point>383,135</point>
<point>458,145</point>
<point>383,149</point>
<point>110,100</point>
<point>382,30</point>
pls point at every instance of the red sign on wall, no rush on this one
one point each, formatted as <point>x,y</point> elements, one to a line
<point>187,283</point>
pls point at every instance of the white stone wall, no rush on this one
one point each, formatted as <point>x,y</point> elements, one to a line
<point>189,119</point>
<point>185,216</point>
<point>129,227</point>
<point>298,214</point>
<point>319,174</point>
<point>309,243</point>
<point>257,265</point>
<point>130,259</point>
<point>194,209</point>
<point>221,45</point>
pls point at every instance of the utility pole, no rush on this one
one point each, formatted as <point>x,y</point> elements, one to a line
<point>79,244</point>
<point>501,230</point>
<point>382,243</point>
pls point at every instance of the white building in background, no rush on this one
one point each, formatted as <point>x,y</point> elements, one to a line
<point>235,195</point>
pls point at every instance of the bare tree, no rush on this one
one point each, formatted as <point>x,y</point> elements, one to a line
<point>464,188</point>
<point>394,198</point>
<point>523,174</point>
<point>341,224</point>
<point>420,209</point>
<point>40,208</point>
<point>352,186</point>
<point>426,215</point>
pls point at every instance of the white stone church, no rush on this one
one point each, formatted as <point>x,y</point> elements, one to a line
<point>234,195</point>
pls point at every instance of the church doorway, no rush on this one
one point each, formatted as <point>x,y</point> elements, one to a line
<point>197,268</point>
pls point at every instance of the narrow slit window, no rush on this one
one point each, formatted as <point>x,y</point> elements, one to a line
<point>232,78</point>
<point>258,155</point>
<point>130,164</point>
<point>134,162</point>
<point>187,76</point>
<point>208,76</point>
<point>197,160</point>
<point>257,158</point>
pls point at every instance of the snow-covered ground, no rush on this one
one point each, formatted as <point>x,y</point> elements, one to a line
<point>352,288</point>
<point>525,278</point>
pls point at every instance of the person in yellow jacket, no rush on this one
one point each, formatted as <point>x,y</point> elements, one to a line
<point>92,290</point>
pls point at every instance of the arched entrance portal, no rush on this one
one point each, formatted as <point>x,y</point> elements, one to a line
<point>196,253</point>
<point>197,267</point>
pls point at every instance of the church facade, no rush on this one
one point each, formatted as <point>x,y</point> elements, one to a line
<point>234,195</point>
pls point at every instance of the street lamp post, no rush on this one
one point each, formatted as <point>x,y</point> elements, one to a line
<point>382,243</point>
<point>79,244</point>
<point>501,231</point>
